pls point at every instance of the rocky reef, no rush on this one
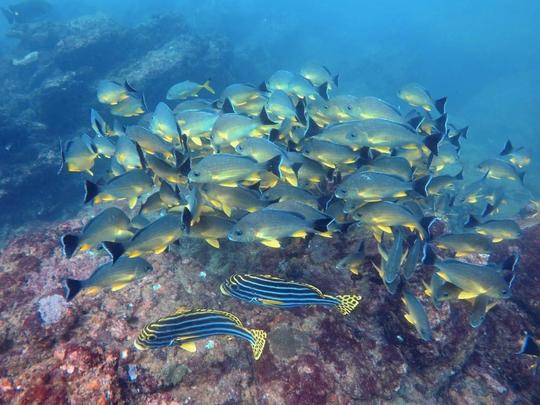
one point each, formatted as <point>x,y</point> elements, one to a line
<point>81,352</point>
<point>50,99</point>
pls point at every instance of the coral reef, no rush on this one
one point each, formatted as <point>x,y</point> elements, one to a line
<point>81,352</point>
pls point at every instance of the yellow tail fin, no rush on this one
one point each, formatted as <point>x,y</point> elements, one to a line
<point>348,303</point>
<point>258,345</point>
<point>206,85</point>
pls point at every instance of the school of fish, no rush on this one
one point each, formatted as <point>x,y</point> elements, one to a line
<point>291,158</point>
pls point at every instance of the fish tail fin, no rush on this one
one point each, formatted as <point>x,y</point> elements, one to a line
<point>273,165</point>
<point>264,118</point>
<point>432,143</point>
<point>441,123</point>
<point>187,217</point>
<point>508,148</point>
<point>421,185</point>
<point>114,249</point>
<point>471,222</point>
<point>321,225</point>
<point>347,303</point>
<point>206,85</point>
<point>511,262</point>
<point>90,191</point>
<point>425,226</point>
<point>62,156</point>
<point>440,105</point>
<point>69,244</point>
<point>71,288</point>
<point>312,128</point>
<point>336,80</point>
<point>529,346</point>
<point>301,111</point>
<point>258,344</point>
<point>323,90</point>
<point>228,107</point>
<point>429,257</point>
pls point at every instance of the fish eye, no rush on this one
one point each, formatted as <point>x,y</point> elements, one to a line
<point>325,107</point>
<point>238,232</point>
<point>352,135</point>
<point>307,151</point>
<point>349,107</point>
<point>240,147</point>
<point>446,294</point>
<point>504,291</point>
<point>195,174</point>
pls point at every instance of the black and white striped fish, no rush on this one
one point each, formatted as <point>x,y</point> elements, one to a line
<point>272,291</point>
<point>184,327</point>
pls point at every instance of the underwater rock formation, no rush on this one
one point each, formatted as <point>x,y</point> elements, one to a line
<point>314,355</point>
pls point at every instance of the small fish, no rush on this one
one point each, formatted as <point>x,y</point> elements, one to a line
<point>302,88</point>
<point>211,228</point>
<point>481,306</point>
<point>500,169</point>
<point>111,93</point>
<point>329,154</point>
<point>196,125</point>
<point>232,199</point>
<point>176,174</point>
<point>185,327</point>
<point>391,165</point>
<point>186,89</point>
<point>444,183</point>
<point>132,106</point>
<point>111,224</point>
<point>463,244</point>
<point>381,270</point>
<point>416,315</point>
<point>285,192</point>
<point>474,279</point>
<point>79,155</point>
<point>275,292</point>
<point>128,186</point>
<point>127,154</point>
<point>228,170</point>
<point>373,187</point>
<point>497,229</point>
<point>150,142</point>
<point>384,215</point>
<point>440,291</point>
<point>298,207</point>
<point>354,261</point>
<point>393,258</point>
<point>240,94</point>
<point>111,275</point>
<point>318,75</point>
<point>104,147</point>
<point>279,80</point>
<point>269,226</point>
<point>413,256</point>
<point>231,129</point>
<point>519,157</point>
<point>164,125</point>
<point>154,238</point>
<point>417,96</point>
<point>280,107</point>
<point>365,108</point>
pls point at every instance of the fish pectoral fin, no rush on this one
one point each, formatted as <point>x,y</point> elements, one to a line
<point>400,194</point>
<point>227,210</point>
<point>497,240</point>
<point>132,202</point>
<point>213,242</point>
<point>197,141</point>
<point>84,247</point>
<point>92,290</point>
<point>118,286</point>
<point>269,302</point>
<point>299,234</point>
<point>465,295</point>
<point>271,243</point>
<point>409,318</point>
<point>385,228</point>
<point>443,276</point>
<point>189,347</point>
<point>160,250</point>
<point>461,254</point>
<point>327,234</point>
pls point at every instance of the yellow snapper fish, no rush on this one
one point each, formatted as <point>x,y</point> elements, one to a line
<point>417,96</point>
<point>150,142</point>
<point>187,89</point>
<point>269,226</point>
<point>111,224</point>
<point>318,75</point>
<point>111,93</point>
<point>127,154</point>
<point>109,275</point>
<point>78,155</point>
<point>164,125</point>
<point>154,238</point>
<point>128,186</point>
<point>196,125</point>
<point>229,170</point>
<point>132,106</point>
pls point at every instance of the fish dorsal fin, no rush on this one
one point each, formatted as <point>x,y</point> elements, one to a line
<point>271,243</point>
